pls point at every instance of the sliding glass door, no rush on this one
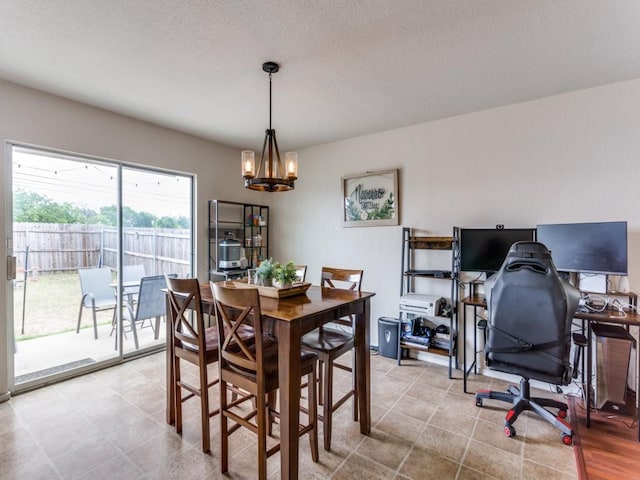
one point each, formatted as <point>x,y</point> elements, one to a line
<point>91,240</point>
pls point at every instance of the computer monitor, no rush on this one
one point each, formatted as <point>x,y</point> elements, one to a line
<point>597,247</point>
<point>484,249</point>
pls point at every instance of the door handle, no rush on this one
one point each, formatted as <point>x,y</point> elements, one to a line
<point>11,268</point>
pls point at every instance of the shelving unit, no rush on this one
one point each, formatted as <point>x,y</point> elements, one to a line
<point>244,222</point>
<point>412,269</point>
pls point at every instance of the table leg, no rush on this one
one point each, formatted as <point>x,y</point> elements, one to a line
<point>289,382</point>
<point>363,368</point>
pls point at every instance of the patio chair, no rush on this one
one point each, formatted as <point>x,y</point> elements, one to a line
<point>132,274</point>
<point>151,304</point>
<point>97,294</point>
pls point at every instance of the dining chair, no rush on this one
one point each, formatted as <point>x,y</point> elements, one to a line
<point>151,305</point>
<point>97,294</point>
<point>194,343</point>
<point>301,273</point>
<point>253,367</point>
<point>330,343</point>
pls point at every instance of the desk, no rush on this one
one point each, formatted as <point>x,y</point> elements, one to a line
<point>628,319</point>
<point>293,317</point>
<point>474,301</point>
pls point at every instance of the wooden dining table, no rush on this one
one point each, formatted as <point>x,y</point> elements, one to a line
<point>292,317</point>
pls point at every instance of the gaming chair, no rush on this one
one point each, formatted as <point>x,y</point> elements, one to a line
<point>529,332</point>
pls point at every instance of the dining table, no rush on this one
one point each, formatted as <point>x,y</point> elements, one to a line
<point>291,318</point>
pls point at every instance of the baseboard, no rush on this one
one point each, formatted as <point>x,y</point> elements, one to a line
<point>5,396</point>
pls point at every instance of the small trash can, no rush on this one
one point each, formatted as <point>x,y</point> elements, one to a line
<point>388,336</point>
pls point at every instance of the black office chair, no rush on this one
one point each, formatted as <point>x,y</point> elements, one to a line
<point>529,332</point>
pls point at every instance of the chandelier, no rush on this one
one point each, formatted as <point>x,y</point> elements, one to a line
<point>271,175</point>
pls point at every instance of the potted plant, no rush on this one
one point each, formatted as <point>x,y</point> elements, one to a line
<point>265,272</point>
<point>284,275</point>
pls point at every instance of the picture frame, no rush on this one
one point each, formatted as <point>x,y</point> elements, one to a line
<point>370,199</point>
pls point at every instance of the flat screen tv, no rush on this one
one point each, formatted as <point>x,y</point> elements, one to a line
<point>484,249</point>
<point>598,247</point>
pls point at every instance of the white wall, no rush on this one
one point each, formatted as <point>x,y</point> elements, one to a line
<point>569,158</point>
<point>36,118</point>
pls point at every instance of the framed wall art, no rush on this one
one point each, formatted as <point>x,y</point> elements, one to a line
<point>370,199</point>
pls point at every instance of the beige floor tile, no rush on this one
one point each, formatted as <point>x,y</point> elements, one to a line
<point>415,408</point>
<point>492,461</point>
<point>421,464</point>
<point>357,467</point>
<point>385,449</point>
<point>452,421</point>
<point>493,434</point>
<point>79,461</point>
<point>441,442</point>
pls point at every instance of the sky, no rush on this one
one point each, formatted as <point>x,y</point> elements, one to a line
<point>94,185</point>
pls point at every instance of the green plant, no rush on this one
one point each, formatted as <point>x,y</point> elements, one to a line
<point>284,274</point>
<point>265,270</point>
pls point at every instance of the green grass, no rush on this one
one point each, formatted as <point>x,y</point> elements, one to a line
<point>51,306</point>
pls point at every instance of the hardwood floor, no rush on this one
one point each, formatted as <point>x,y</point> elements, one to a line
<point>609,450</point>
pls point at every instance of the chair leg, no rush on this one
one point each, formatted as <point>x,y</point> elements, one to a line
<point>262,435</point>
<point>178,393</point>
<point>80,316</point>
<point>313,413</point>
<point>224,429</point>
<point>95,320</point>
<point>354,387</point>
<point>204,405</point>
<point>327,406</point>
<point>135,333</point>
<point>320,382</point>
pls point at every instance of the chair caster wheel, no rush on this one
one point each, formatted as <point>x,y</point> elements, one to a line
<point>567,439</point>
<point>478,402</point>
<point>509,431</point>
<point>562,414</point>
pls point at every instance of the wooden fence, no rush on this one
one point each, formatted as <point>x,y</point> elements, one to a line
<point>57,247</point>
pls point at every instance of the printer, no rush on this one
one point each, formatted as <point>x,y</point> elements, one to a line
<point>422,304</point>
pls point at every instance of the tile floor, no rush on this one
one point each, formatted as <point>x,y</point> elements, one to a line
<point>110,425</point>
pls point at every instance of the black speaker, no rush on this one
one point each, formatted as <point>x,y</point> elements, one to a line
<point>613,350</point>
<point>388,337</point>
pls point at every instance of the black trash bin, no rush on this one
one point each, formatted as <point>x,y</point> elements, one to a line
<point>388,336</point>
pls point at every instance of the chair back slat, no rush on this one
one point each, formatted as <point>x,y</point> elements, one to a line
<point>184,297</point>
<point>341,278</point>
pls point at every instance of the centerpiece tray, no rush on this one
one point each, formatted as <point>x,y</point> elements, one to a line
<point>273,292</point>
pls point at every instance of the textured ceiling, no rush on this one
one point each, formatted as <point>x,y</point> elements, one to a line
<point>348,67</point>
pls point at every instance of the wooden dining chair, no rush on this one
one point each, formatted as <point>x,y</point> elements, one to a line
<point>193,342</point>
<point>253,367</point>
<point>329,344</point>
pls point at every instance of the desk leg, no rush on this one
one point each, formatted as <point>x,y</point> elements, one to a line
<point>589,366</point>
<point>363,368</point>
<point>289,378</point>
<point>464,348</point>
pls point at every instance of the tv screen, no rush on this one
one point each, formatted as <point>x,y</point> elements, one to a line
<point>599,247</point>
<point>484,249</point>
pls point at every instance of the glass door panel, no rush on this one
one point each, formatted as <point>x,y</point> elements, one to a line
<point>63,296</point>
<point>157,240</point>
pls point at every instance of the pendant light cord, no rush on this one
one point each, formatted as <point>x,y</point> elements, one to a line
<point>269,101</point>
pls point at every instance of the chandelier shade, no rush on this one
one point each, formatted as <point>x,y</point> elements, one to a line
<point>271,174</point>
